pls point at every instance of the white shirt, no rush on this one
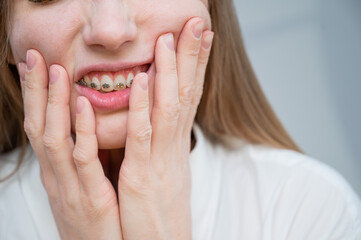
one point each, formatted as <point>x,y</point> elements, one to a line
<point>251,192</point>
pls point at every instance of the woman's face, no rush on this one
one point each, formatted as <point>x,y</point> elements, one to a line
<point>81,33</point>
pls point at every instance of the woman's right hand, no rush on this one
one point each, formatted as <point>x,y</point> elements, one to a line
<point>82,199</point>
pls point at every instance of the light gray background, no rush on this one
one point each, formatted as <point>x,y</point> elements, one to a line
<point>307,56</point>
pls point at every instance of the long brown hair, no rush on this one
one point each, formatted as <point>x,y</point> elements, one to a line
<point>12,133</point>
<point>233,103</point>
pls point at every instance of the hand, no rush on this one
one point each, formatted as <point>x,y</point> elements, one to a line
<point>82,199</point>
<point>154,180</point>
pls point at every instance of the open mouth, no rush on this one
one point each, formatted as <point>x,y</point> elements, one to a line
<point>106,82</point>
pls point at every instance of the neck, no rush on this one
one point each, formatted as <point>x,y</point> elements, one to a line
<point>111,160</point>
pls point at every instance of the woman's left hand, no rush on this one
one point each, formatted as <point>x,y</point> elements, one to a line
<point>154,180</point>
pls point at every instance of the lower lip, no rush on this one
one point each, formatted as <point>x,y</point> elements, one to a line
<point>108,101</point>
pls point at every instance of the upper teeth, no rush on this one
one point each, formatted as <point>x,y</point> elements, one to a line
<point>95,84</point>
<point>130,79</point>
<point>119,83</point>
<point>106,83</point>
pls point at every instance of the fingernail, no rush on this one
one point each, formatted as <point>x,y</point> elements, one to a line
<point>53,74</point>
<point>197,29</point>
<point>79,105</point>
<point>30,61</point>
<point>207,41</point>
<point>169,41</point>
<point>22,69</point>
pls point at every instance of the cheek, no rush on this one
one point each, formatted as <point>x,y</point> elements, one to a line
<point>168,16</point>
<point>47,31</point>
<point>53,30</point>
<point>32,37</point>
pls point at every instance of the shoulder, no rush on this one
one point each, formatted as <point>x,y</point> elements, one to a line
<point>298,193</point>
<point>15,219</point>
<point>298,169</point>
<point>9,162</point>
<point>8,166</point>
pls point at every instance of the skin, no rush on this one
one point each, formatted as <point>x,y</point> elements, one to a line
<point>154,178</point>
<point>84,32</point>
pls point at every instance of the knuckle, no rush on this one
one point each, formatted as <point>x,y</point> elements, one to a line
<point>203,59</point>
<point>172,67</point>
<point>171,112</point>
<point>51,143</point>
<point>193,51</point>
<point>135,185</point>
<point>31,85</point>
<point>80,157</point>
<point>94,213</point>
<point>141,106</point>
<point>186,94</point>
<point>143,134</point>
<point>70,202</point>
<point>31,129</point>
<point>53,99</point>
<point>83,129</point>
<point>161,172</point>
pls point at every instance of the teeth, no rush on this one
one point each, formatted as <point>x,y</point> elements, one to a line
<point>82,82</point>
<point>87,81</point>
<point>95,84</point>
<point>107,83</point>
<point>130,79</point>
<point>119,83</point>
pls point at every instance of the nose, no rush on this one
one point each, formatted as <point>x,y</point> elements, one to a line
<point>109,26</point>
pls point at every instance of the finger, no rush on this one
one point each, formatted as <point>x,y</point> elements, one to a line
<point>57,137</point>
<point>85,154</point>
<point>166,102</point>
<point>187,58</point>
<point>22,70</point>
<point>35,95</point>
<point>47,173</point>
<point>139,130</point>
<point>200,75</point>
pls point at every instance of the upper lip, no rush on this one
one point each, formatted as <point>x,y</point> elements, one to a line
<point>107,67</point>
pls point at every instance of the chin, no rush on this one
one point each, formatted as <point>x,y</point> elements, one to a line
<point>111,130</point>
<point>111,142</point>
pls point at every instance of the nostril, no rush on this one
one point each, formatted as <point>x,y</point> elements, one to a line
<point>110,33</point>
